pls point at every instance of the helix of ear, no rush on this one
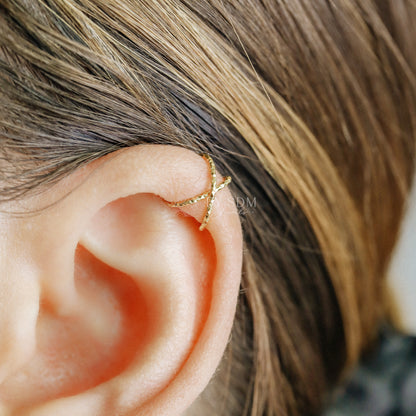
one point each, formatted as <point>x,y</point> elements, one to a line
<point>209,194</point>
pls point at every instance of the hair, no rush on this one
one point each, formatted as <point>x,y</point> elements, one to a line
<point>309,105</point>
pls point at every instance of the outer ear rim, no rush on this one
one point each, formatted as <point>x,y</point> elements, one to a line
<point>225,229</point>
<point>135,170</point>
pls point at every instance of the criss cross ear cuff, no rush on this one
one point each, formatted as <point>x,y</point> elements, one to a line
<point>209,194</point>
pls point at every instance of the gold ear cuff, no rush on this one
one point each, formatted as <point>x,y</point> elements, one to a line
<point>210,194</point>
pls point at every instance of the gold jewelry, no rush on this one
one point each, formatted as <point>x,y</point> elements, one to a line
<point>210,194</point>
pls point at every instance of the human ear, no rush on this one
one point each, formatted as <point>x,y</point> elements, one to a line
<point>113,302</point>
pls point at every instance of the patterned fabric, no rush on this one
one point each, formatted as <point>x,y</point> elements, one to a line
<point>384,384</point>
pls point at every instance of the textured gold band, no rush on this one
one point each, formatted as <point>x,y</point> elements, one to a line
<point>209,194</point>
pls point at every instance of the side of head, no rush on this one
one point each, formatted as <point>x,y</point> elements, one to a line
<point>105,108</point>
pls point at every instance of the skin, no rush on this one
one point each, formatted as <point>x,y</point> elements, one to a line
<point>111,301</point>
<point>402,276</point>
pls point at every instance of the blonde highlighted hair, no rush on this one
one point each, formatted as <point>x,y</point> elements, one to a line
<point>309,105</point>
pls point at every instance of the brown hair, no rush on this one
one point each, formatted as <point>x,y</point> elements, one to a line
<point>309,105</point>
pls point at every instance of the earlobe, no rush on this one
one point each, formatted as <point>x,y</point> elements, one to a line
<point>147,286</point>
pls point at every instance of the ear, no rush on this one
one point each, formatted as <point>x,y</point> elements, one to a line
<point>113,302</point>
